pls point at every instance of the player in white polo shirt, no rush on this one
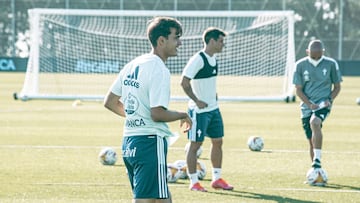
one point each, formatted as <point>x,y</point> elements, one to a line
<point>199,83</point>
<point>141,94</point>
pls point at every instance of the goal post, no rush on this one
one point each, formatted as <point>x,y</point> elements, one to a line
<point>76,54</point>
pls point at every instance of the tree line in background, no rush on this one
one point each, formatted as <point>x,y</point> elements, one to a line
<point>314,19</point>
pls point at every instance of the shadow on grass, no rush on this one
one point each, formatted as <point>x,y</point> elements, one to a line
<point>338,186</point>
<point>115,165</point>
<point>258,196</point>
<point>264,151</point>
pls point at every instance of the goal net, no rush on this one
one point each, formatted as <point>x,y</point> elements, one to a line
<point>76,54</point>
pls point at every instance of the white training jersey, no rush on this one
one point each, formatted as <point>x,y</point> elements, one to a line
<point>203,82</point>
<point>142,84</point>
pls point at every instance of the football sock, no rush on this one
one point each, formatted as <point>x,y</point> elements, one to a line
<point>317,154</point>
<point>193,178</point>
<point>216,173</point>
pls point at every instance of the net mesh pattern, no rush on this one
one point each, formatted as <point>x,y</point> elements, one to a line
<point>81,54</point>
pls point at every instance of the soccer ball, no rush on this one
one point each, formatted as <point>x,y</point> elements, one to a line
<point>201,170</point>
<point>198,153</point>
<point>316,176</point>
<point>107,156</point>
<point>181,165</point>
<point>255,143</point>
<point>173,173</point>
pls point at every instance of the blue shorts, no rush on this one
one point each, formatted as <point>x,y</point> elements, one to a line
<point>145,160</point>
<point>209,124</point>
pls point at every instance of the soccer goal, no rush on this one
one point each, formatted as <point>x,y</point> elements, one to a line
<point>76,54</point>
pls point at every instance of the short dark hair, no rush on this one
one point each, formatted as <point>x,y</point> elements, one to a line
<point>213,33</point>
<point>161,26</point>
<point>316,45</point>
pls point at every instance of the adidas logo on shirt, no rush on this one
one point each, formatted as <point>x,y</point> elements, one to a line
<point>131,81</point>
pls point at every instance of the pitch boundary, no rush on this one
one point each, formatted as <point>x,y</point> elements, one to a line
<point>80,184</point>
<point>312,189</point>
<point>171,148</point>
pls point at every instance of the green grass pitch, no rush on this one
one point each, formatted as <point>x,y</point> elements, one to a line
<point>49,152</point>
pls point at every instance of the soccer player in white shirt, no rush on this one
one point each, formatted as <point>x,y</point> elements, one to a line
<point>141,94</point>
<point>199,83</point>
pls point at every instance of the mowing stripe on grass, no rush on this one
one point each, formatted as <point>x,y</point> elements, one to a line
<point>313,189</point>
<point>79,184</point>
<point>171,148</point>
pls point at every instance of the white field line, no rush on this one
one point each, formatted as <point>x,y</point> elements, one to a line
<point>313,189</point>
<point>79,184</point>
<point>53,147</point>
<point>41,109</point>
<point>171,148</point>
<point>94,184</point>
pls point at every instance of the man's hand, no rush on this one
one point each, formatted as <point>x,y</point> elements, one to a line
<point>187,122</point>
<point>313,106</point>
<point>321,105</point>
<point>200,104</point>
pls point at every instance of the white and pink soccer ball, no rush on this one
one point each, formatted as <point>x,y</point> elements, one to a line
<point>316,177</point>
<point>107,156</point>
<point>255,143</point>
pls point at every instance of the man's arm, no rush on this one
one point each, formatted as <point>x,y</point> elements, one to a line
<point>185,84</point>
<point>300,93</point>
<point>335,92</point>
<point>112,102</point>
<point>161,114</point>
